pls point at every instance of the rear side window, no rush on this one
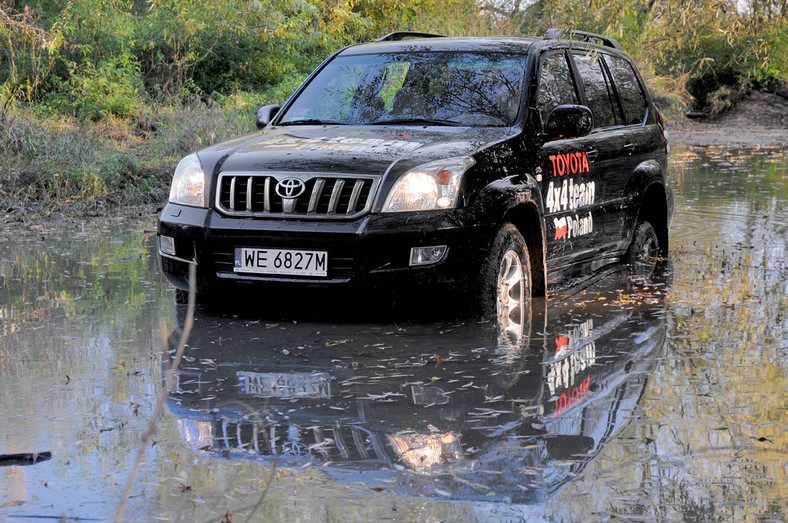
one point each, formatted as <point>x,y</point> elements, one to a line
<point>633,102</point>
<point>599,92</point>
<point>555,85</point>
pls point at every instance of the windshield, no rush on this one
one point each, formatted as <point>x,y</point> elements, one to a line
<point>435,88</point>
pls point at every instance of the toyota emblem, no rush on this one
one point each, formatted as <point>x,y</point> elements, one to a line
<point>290,188</point>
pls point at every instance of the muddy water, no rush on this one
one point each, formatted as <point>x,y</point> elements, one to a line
<point>662,400</point>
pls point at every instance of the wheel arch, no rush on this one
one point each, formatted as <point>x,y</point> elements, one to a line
<point>527,219</point>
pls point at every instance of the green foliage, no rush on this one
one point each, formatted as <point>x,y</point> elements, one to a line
<point>27,54</point>
<point>704,45</point>
<point>165,77</point>
<point>111,88</point>
<point>98,58</point>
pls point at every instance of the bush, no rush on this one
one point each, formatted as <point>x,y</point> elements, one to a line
<point>112,88</point>
<point>701,45</point>
<point>99,100</point>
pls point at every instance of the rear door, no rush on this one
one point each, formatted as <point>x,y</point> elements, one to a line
<point>634,106</point>
<point>645,136</point>
<point>614,151</point>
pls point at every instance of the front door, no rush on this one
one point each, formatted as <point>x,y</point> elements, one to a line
<point>569,180</point>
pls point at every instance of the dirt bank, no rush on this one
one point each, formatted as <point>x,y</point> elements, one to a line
<point>760,120</point>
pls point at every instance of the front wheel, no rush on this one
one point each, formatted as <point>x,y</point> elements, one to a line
<point>505,284</point>
<point>644,250</point>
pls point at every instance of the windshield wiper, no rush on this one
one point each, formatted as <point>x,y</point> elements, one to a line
<point>312,121</point>
<point>417,121</point>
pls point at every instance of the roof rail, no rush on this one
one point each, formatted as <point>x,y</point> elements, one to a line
<point>401,35</point>
<point>582,35</point>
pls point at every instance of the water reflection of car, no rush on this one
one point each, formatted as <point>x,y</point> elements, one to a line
<point>477,416</point>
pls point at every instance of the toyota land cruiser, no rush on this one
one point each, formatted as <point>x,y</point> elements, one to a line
<point>487,166</point>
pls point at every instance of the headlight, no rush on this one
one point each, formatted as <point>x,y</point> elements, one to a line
<point>188,183</point>
<point>430,186</point>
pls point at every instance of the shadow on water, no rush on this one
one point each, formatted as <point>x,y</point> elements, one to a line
<point>465,410</point>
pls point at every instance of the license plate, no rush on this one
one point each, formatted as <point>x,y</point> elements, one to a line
<point>286,385</point>
<point>287,262</point>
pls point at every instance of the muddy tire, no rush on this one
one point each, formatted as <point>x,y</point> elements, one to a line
<point>504,293</point>
<point>643,253</point>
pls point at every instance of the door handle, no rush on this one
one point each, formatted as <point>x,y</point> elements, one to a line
<point>592,153</point>
<point>629,147</point>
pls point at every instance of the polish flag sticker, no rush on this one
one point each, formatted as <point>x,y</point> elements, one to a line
<point>561,227</point>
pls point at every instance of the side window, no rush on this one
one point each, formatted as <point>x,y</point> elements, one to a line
<point>599,92</point>
<point>555,85</point>
<point>632,100</point>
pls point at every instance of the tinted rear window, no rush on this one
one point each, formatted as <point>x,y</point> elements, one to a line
<point>599,92</point>
<point>632,99</point>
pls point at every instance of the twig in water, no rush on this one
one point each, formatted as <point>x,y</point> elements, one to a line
<point>169,375</point>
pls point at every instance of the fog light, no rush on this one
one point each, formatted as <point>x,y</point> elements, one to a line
<point>427,255</point>
<point>167,245</point>
<point>444,202</point>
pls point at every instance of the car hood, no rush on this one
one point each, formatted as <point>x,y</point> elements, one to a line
<point>347,149</point>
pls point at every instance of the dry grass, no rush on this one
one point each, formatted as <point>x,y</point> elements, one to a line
<point>61,165</point>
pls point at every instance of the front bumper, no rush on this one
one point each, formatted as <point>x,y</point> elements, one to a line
<point>365,254</point>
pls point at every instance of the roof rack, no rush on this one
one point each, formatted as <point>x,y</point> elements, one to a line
<point>401,35</point>
<point>582,35</point>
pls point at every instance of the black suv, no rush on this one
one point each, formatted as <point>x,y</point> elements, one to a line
<point>487,166</point>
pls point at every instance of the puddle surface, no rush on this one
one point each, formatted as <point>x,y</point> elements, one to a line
<point>664,401</point>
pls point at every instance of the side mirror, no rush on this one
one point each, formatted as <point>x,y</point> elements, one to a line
<point>568,121</point>
<point>265,114</point>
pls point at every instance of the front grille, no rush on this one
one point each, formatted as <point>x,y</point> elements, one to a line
<point>330,442</point>
<point>303,196</point>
